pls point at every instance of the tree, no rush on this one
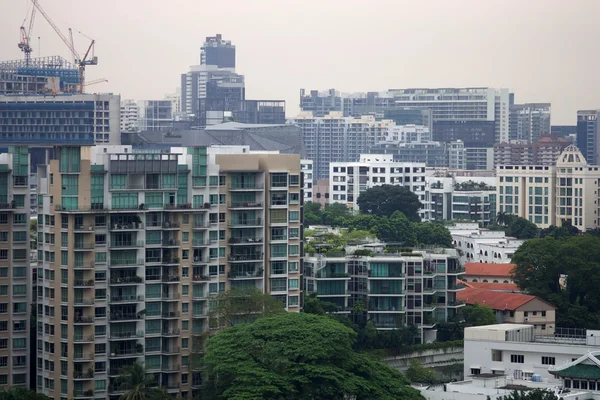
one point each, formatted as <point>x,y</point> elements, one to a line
<point>385,200</point>
<point>299,356</point>
<point>500,218</point>
<point>396,229</point>
<point>336,214</point>
<point>417,373</point>
<point>313,305</point>
<point>18,393</point>
<point>563,272</point>
<point>429,233</point>
<point>520,228</point>
<point>535,394</point>
<point>478,315</point>
<point>140,385</point>
<point>312,214</point>
<point>242,306</point>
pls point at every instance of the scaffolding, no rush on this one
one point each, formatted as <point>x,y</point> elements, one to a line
<point>32,77</point>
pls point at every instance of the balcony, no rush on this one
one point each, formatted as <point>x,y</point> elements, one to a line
<point>278,221</point>
<point>246,223</point>
<point>170,279</point>
<point>200,260</point>
<point>245,205</point>
<point>116,316</point>
<point>199,314</point>
<point>245,241</point>
<point>170,350</point>
<point>84,302</point>
<point>80,283</point>
<point>83,320</point>
<point>83,394</point>
<point>246,257</point>
<point>126,280</point>
<point>164,260</point>
<point>126,263</point>
<point>84,246</point>
<point>167,225</point>
<point>79,375</point>
<point>126,335</point>
<point>84,228</point>
<point>171,314</point>
<point>83,357</point>
<point>170,332</point>
<point>127,353</point>
<point>249,186</point>
<point>127,244</point>
<point>201,225</point>
<point>245,274</point>
<point>126,299</point>
<point>171,243</point>
<point>199,296</point>
<point>83,338</point>
<point>131,226</point>
<point>170,368</point>
<point>85,266</point>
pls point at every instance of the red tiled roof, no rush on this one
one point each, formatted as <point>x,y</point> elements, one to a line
<point>499,287</point>
<point>494,299</point>
<point>488,269</point>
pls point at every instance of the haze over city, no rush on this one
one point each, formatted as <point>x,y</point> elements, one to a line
<point>543,51</point>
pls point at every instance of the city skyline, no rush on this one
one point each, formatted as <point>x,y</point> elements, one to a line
<point>536,58</point>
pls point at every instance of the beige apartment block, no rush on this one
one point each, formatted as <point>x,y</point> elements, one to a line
<point>552,195</point>
<point>139,243</point>
<point>15,271</point>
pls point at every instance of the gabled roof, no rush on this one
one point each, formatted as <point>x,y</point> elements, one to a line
<point>488,269</point>
<point>585,367</point>
<point>497,300</point>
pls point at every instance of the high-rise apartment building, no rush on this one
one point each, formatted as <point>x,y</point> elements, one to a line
<point>477,116</point>
<point>155,115</point>
<point>218,52</point>
<point>348,180</point>
<point>588,135</point>
<point>542,152</point>
<point>551,195</point>
<point>432,154</point>
<point>136,243</point>
<point>15,271</point>
<point>394,289</point>
<point>529,122</point>
<point>307,171</point>
<point>130,115</point>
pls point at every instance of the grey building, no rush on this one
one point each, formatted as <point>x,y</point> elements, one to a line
<point>529,122</point>
<point>155,115</point>
<point>410,116</point>
<point>433,154</point>
<point>287,139</point>
<point>588,131</point>
<point>218,52</point>
<point>563,130</point>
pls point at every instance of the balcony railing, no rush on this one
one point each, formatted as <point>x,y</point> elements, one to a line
<point>126,263</point>
<point>118,299</point>
<point>245,240</point>
<point>84,246</point>
<point>170,350</point>
<point>246,222</point>
<point>246,257</point>
<point>170,279</point>
<point>245,204</point>
<point>126,335</point>
<point>83,338</point>
<point>127,352</point>
<point>83,320</point>
<point>170,332</point>
<point>124,316</point>
<point>83,283</point>
<point>246,186</point>
<point>171,242</point>
<point>126,244</point>
<point>245,274</point>
<point>171,314</point>
<point>84,302</point>
<point>126,280</point>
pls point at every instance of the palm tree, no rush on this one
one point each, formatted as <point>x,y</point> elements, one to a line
<point>139,384</point>
<point>500,218</point>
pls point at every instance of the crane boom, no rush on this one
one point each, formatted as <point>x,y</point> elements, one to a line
<point>53,25</point>
<point>24,43</point>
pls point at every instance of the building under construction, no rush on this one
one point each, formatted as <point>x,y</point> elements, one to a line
<point>43,75</point>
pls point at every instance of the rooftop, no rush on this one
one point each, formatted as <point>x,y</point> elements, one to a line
<point>498,287</point>
<point>495,299</point>
<point>489,269</point>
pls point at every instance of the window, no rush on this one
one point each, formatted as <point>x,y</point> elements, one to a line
<point>294,233</point>
<point>294,180</point>
<point>293,301</point>
<point>293,266</point>
<point>294,198</point>
<point>278,284</point>
<point>293,250</point>
<point>548,360</point>
<point>517,358</point>
<point>475,371</point>
<point>543,313</point>
<point>294,216</point>
<point>293,284</point>
<point>19,343</point>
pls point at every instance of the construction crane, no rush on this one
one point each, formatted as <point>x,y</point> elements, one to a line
<point>95,81</point>
<point>81,62</point>
<point>26,36</point>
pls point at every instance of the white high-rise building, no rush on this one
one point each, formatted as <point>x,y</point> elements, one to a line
<point>130,114</point>
<point>348,180</point>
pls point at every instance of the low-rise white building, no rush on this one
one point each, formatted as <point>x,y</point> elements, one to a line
<point>307,170</point>
<point>481,245</point>
<point>347,180</point>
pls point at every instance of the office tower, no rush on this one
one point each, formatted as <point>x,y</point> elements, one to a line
<point>457,158</point>
<point>15,271</point>
<point>477,116</point>
<point>218,52</point>
<point>410,116</point>
<point>335,138</point>
<point>564,131</point>
<point>551,195</point>
<point>138,242</point>
<point>130,115</point>
<point>588,132</point>
<point>395,290</point>
<point>481,158</point>
<point>432,154</point>
<point>348,180</point>
<point>529,122</point>
<point>155,115</point>
<point>542,152</point>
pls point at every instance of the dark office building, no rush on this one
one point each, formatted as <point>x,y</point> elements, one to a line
<point>472,133</point>
<point>214,111</point>
<point>218,52</point>
<point>563,130</point>
<point>410,116</point>
<point>588,130</point>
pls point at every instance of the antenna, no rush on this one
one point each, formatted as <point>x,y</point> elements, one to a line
<point>39,46</point>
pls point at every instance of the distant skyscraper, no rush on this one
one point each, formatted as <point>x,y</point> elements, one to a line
<point>529,122</point>
<point>588,131</point>
<point>130,114</point>
<point>218,52</point>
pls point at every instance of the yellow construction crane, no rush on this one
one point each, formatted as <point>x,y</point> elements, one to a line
<point>81,62</point>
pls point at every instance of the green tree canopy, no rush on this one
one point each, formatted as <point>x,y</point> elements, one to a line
<point>385,200</point>
<point>18,393</point>
<point>565,273</point>
<point>433,234</point>
<point>312,214</point>
<point>242,306</point>
<point>417,373</point>
<point>396,229</point>
<point>478,315</point>
<point>299,356</point>
<point>139,384</point>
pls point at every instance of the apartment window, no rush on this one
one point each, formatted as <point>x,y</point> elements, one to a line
<point>294,233</point>
<point>293,250</point>
<point>3,343</point>
<point>294,198</point>
<point>517,358</point>
<point>293,266</point>
<point>543,313</point>
<point>294,216</point>
<point>184,343</point>
<point>19,343</point>
<point>4,290</point>
<point>548,361</point>
<point>293,301</point>
<point>293,284</point>
<point>278,284</point>
<point>294,180</point>
<point>279,179</point>
<point>475,371</point>
<point>3,361</point>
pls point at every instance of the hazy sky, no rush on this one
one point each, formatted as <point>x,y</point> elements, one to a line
<point>543,50</point>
